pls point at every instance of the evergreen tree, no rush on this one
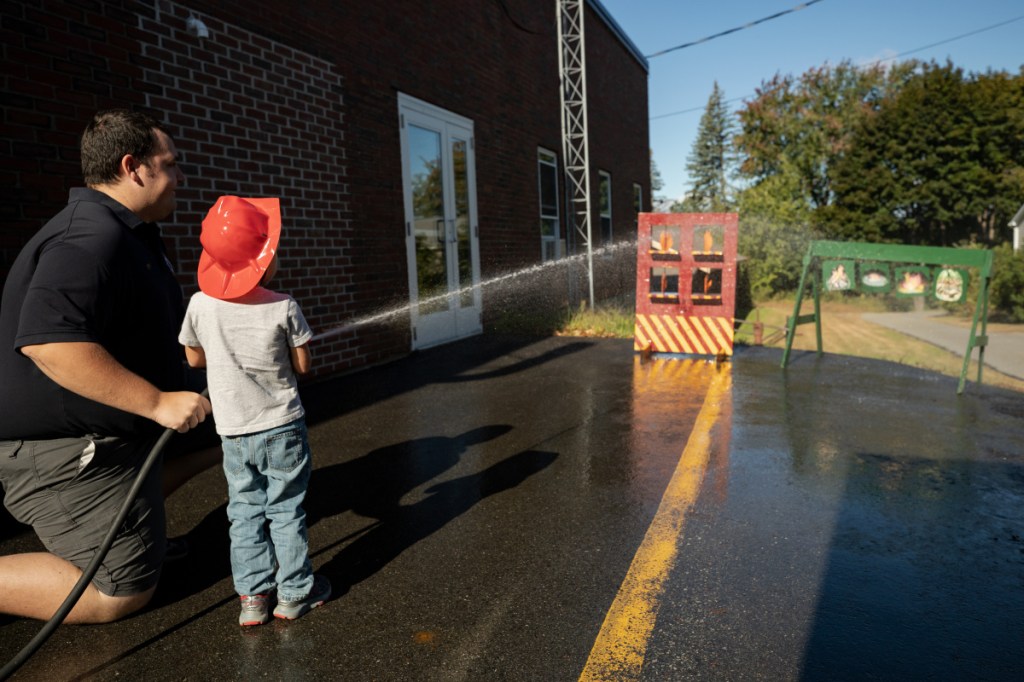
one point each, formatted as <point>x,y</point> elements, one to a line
<point>710,161</point>
<point>657,183</point>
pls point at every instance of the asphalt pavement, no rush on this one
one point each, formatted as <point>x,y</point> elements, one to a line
<point>559,509</point>
<point>1004,352</point>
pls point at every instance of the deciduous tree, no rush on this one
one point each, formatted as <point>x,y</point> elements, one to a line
<point>801,127</point>
<point>939,164</point>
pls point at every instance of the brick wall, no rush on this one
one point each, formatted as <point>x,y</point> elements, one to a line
<point>59,66</point>
<point>256,117</point>
<point>617,121</point>
<point>299,100</point>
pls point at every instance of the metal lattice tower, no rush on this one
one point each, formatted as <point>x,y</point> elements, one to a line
<point>573,78</point>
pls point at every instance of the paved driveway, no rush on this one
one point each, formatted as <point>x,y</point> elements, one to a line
<point>1004,353</point>
<point>557,509</point>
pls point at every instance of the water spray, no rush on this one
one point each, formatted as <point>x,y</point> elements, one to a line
<point>383,316</point>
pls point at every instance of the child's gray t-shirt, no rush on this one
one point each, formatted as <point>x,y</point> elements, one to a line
<point>248,362</point>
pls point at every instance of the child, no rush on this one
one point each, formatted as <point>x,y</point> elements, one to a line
<point>253,342</point>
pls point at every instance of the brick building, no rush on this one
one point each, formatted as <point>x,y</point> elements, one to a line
<point>416,147</point>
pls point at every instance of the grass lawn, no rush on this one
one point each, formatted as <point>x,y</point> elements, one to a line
<point>843,332</point>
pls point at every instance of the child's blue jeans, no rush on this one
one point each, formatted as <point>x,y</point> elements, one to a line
<point>267,474</point>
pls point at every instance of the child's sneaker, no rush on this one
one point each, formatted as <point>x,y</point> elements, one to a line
<point>255,609</point>
<point>290,610</point>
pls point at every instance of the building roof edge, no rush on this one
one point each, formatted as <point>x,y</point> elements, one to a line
<point>607,18</point>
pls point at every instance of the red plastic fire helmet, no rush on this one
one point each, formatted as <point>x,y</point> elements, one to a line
<point>239,241</point>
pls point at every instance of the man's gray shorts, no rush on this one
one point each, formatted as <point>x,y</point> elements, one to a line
<point>71,489</point>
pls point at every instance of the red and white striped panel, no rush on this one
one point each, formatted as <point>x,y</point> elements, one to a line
<point>684,335</point>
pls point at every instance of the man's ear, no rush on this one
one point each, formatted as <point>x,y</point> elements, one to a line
<point>129,168</point>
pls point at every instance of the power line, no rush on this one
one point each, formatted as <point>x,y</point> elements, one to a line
<point>692,109</point>
<point>734,30</point>
<point>949,40</point>
<point>887,59</point>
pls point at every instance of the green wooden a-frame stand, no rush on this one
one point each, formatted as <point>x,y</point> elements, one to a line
<point>859,255</point>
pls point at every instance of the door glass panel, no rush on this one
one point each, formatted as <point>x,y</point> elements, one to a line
<point>425,171</point>
<point>462,226</point>
<point>441,244</point>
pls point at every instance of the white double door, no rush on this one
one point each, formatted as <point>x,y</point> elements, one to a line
<point>442,237</point>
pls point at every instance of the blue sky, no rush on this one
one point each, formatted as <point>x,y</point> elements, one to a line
<point>829,31</point>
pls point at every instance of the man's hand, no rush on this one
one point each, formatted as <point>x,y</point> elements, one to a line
<point>181,411</point>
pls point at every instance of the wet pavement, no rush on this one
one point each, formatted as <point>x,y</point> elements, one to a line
<point>559,509</point>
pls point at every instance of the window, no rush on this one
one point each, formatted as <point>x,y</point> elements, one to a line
<point>638,198</point>
<point>606,205</point>
<point>547,185</point>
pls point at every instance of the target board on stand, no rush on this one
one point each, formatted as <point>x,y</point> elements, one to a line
<point>685,283</point>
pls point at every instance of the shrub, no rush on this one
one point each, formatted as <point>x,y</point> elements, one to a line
<point>1006,290</point>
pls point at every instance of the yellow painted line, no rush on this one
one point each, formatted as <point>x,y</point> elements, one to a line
<point>618,653</point>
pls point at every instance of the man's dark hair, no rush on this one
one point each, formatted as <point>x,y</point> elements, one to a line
<point>109,136</point>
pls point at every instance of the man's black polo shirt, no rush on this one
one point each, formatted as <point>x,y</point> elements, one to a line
<point>95,272</point>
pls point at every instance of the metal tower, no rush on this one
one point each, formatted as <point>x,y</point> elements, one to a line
<point>573,78</point>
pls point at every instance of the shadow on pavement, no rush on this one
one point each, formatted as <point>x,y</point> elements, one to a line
<point>373,486</point>
<point>922,576</point>
<point>399,526</point>
<point>333,397</point>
